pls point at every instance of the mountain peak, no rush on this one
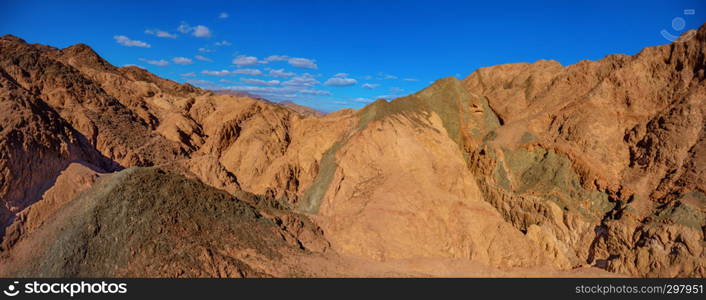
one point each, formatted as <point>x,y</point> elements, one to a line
<point>80,48</point>
<point>85,54</point>
<point>12,38</point>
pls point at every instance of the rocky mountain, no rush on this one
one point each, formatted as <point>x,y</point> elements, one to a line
<point>593,169</point>
<point>301,109</point>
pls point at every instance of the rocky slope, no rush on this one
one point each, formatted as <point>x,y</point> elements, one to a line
<point>517,170</point>
<point>167,226</point>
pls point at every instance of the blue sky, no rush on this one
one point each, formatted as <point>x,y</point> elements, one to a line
<point>335,54</point>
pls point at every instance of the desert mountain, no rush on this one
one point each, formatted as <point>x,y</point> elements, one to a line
<point>518,170</point>
<point>301,109</point>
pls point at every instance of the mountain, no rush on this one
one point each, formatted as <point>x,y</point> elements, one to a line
<point>240,94</point>
<point>529,169</point>
<point>301,109</point>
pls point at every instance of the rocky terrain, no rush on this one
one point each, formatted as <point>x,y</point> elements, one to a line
<point>530,169</point>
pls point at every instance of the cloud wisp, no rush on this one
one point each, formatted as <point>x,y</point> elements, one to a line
<point>299,62</point>
<point>244,60</point>
<point>199,31</point>
<point>304,63</point>
<point>160,33</point>
<point>260,81</point>
<point>202,58</point>
<point>340,79</point>
<point>251,72</point>
<point>303,80</point>
<point>127,42</point>
<point>159,63</point>
<point>217,73</point>
<point>280,73</point>
<point>182,60</point>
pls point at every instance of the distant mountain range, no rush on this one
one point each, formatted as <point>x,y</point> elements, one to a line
<point>301,109</point>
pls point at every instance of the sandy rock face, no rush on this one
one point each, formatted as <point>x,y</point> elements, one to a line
<point>36,144</point>
<point>402,189</point>
<point>166,225</point>
<point>70,183</point>
<point>632,128</point>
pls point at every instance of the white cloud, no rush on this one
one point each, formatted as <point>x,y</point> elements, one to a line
<point>223,15</point>
<point>276,58</point>
<point>202,58</point>
<point>315,92</point>
<point>251,72</point>
<point>260,89</point>
<point>340,79</point>
<point>205,50</point>
<point>199,31</point>
<point>223,43</point>
<point>303,63</point>
<point>381,75</point>
<point>202,31</point>
<point>203,83</point>
<point>190,74</point>
<point>182,60</point>
<point>410,79</point>
<point>370,85</point>
<point>244,60</point>
<point>280,73</point>
<point>337,81</point>
<point>260,82</point>
<point>160,63</point>
<point>362,100</point>
<point>388,96</point>
<point>184,28</point>
<point>298,62</point>
<point>126,41</point>
<point>217,73</point>
<point>160,33</point>
<point>367,77</point>
<point>305,79</point>
<point>396,90</point>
